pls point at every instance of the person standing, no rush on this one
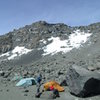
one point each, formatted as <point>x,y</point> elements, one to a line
<point>38,80</point>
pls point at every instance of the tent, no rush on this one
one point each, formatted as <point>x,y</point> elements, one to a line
<point>54,84</point>
<point>26,82</point>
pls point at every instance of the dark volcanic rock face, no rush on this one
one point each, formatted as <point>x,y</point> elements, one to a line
<point>82,82</point>
<point>6,43</point>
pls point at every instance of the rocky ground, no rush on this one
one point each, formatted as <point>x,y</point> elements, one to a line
<point>52,68</point>
<point>8,91</point>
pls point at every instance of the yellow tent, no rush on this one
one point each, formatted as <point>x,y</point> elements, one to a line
<point>54,84</point>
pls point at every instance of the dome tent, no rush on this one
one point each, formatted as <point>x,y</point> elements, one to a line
<point>26,82</point>
<point>54,84</point>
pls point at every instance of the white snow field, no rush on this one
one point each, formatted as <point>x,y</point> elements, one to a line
<point>76,39</point>
<point>17,51</point>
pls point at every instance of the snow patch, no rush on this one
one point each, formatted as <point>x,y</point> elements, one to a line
<point>12,56</point>
<point>76,39</point>
<point>17,51</point>
<point>20,50</point>
<point>5,54</point>
<point>43,41</point>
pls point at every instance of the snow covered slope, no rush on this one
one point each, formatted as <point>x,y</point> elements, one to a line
<point>75,40</point>
<point>16,52</point>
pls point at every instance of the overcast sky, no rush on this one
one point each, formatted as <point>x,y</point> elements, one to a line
<point>18,13</point>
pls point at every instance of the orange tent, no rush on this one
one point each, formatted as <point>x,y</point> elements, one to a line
<point>54,84</point>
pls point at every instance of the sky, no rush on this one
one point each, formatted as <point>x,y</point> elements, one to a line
<point>18,13</point>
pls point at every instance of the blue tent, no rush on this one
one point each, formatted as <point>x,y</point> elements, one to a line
<point>26,82</point>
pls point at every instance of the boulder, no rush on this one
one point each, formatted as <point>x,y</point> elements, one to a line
<point>26,91</point>
<point>25,73</point>
<point>82,82</point>
<point>7,74</point>
<point>2,73</point>
<point>63,83</point>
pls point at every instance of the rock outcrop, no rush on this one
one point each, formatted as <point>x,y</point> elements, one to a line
<point>82,82</point>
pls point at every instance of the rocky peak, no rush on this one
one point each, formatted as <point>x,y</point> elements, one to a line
<point>30,35</point>
<point>41,23</point>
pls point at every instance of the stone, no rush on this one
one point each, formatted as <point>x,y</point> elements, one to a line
<point>60,73</point>
<point>1,90</point>
<point>7,74</point>
<point>82,82</point>
<point>2,73</point>
<point>25,94</point>
<point>25,73</point>
<point>63,82</point>
<point>91,68</point>
<point>7,90</point>
<point>26,91</point>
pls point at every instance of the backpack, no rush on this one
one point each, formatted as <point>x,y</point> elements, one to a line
<point>39,79</point>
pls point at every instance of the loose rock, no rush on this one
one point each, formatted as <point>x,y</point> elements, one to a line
<point>82,82</point>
